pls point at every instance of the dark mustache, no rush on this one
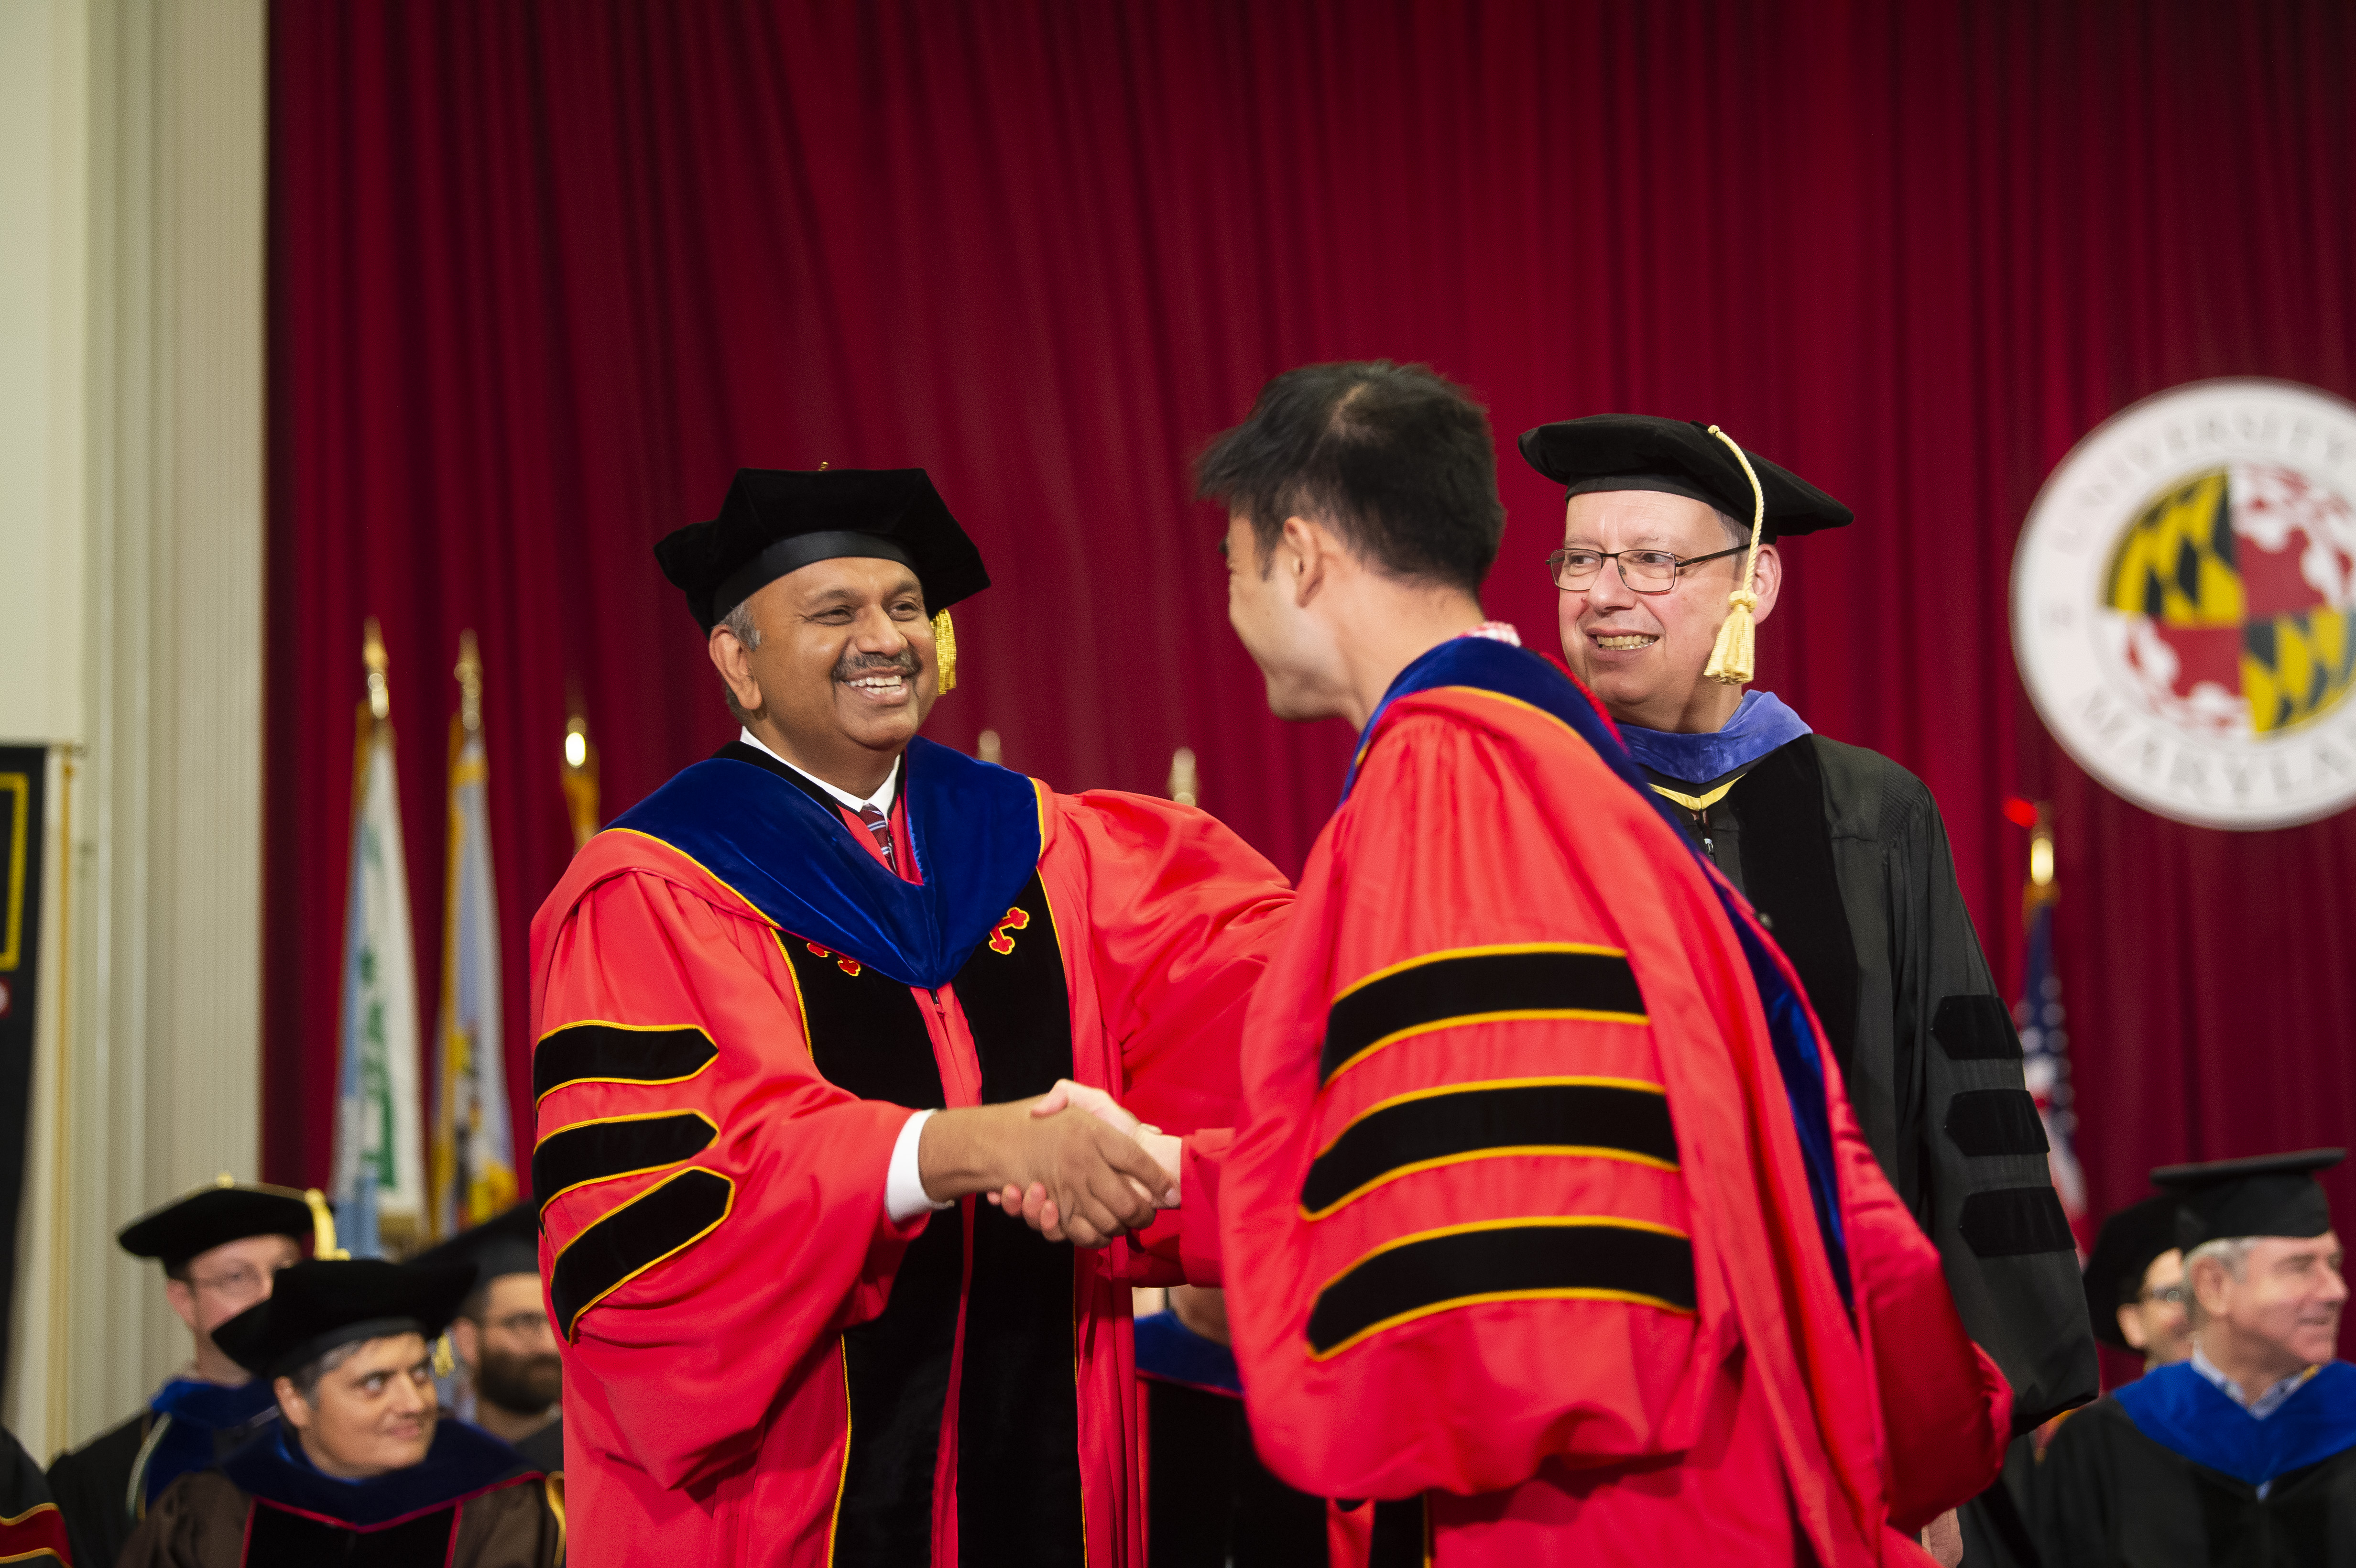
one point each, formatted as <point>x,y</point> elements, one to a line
<point>852,666</point>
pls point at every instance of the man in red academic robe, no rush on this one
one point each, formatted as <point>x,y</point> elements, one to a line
<point>1547,1224</point>
<point>789,1013</point>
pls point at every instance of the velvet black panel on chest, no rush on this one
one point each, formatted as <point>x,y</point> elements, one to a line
<point>867,1035</point>
<point>1788,873</point>
<point>1018,1413</point>
<point>1018,1476</point>
<point>276,1538</point>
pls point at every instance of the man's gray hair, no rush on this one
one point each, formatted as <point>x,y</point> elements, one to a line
<point>2231,1254</point>
<point>307,1376</point>
<point>739,621</point>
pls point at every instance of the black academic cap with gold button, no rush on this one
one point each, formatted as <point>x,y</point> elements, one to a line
<point>317,1307</point>
<point>227,1211</point>
<point>2123,1251</point>
<point>507,1244</point>
<point>1641,452</point>
<point>2265,1195</point>
<point>779,520</point>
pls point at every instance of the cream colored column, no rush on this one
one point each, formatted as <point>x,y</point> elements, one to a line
<point>161,1063</point>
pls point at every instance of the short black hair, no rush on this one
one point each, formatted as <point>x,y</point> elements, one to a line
<point>1396,458</point>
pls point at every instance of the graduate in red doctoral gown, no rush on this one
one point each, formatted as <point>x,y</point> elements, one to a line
<point>738,999</point>
<point>1549,1224</point>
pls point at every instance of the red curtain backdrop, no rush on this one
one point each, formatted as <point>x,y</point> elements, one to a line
<point>544,275</point>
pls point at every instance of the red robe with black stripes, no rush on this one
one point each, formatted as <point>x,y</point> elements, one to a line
<point>760,1366</point>
<point>1519,1229</point>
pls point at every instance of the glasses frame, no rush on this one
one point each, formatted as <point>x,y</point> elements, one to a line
<point>1676,572</point>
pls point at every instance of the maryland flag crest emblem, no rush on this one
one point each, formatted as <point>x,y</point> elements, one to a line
<point>2184,604</point>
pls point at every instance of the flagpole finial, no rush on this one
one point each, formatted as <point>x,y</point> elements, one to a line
<point>1185,786</point>
<point>373,655</point>
<point>470,682</point>
<point>580,777</point>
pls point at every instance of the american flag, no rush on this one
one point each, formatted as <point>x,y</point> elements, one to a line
<point>2044,1043</point>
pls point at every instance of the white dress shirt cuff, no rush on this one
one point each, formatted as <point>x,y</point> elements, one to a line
<point>903,1183</point>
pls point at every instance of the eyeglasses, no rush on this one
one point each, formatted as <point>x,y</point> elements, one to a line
<point>2168,1296</point>
<point>1644,570</point>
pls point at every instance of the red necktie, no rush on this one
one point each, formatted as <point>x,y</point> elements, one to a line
<point>880,825</point>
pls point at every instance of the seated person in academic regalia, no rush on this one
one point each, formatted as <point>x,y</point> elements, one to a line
<point>514,1377</point>
<point>2246,1454</point>
<point>222,1247</point>
<point>31,1529</point>
<point>2135,1298</point>
<point>360,1468</point>
<point>2136,1293</point>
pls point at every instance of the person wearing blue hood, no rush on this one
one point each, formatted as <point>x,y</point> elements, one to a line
<point>222,1247</point>
<point>1668,564</point>
<point>360,1468</point>
<point>2245,1454</point>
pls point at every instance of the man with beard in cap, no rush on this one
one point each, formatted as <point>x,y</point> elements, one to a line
<point>1669,561</point>
<point>790,1014</point>
<point>2245,1453</point>
<point>222,1247</point>
<point>360,1468</point>
<point>514,1377</point>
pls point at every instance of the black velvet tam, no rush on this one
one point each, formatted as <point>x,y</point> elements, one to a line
<point>317,1305</point>
<point>779,520</point>
<point>2128,1241</point>
<point>2266,1195</point>
<point>507,1244</point>
<point>213,1216</point>
<point>1678,457</point>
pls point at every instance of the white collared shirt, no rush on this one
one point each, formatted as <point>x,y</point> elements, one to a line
<point>2266,1403</point>
<point>881,800</point>
<point>903,1182</point>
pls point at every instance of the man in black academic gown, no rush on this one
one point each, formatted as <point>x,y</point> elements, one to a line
<point>502,1335</point>
<point>360,1468</point>
<point>2134,1297</point>
<point>222,1248</point>
<point>2245,1453</point>
<point>1840,850</point>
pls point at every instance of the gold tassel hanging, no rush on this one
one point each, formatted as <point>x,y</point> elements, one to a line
<point>323,1227</point>
<point>944,649</point>
<point>1731,660</point>
<point>445,1358</point>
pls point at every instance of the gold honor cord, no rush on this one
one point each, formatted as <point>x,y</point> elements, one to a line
<point>1731,660</point>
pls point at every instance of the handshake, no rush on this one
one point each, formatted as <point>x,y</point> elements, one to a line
<point>1072,1163</point>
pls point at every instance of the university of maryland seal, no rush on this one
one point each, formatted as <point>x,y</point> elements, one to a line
<point>2184,604</point>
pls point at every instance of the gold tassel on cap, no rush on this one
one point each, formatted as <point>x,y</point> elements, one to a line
<point>323,1227</point>
<point>1731,660</point>
<point>944,649</point>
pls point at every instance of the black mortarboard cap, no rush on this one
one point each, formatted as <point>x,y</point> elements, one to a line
<point>507,1244</point>
<point>779,520</point>
<point>318,1305</point>
<point>1643,452</point>
<point>227,1211</point>
<point>2123,1250</point>
<point>2266,1195</point>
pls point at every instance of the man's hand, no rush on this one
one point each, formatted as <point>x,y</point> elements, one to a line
<point>1094,1183</point>
<point>1037,1206</point>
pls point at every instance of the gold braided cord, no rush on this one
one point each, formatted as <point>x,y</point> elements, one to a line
<point>1731,660</point>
